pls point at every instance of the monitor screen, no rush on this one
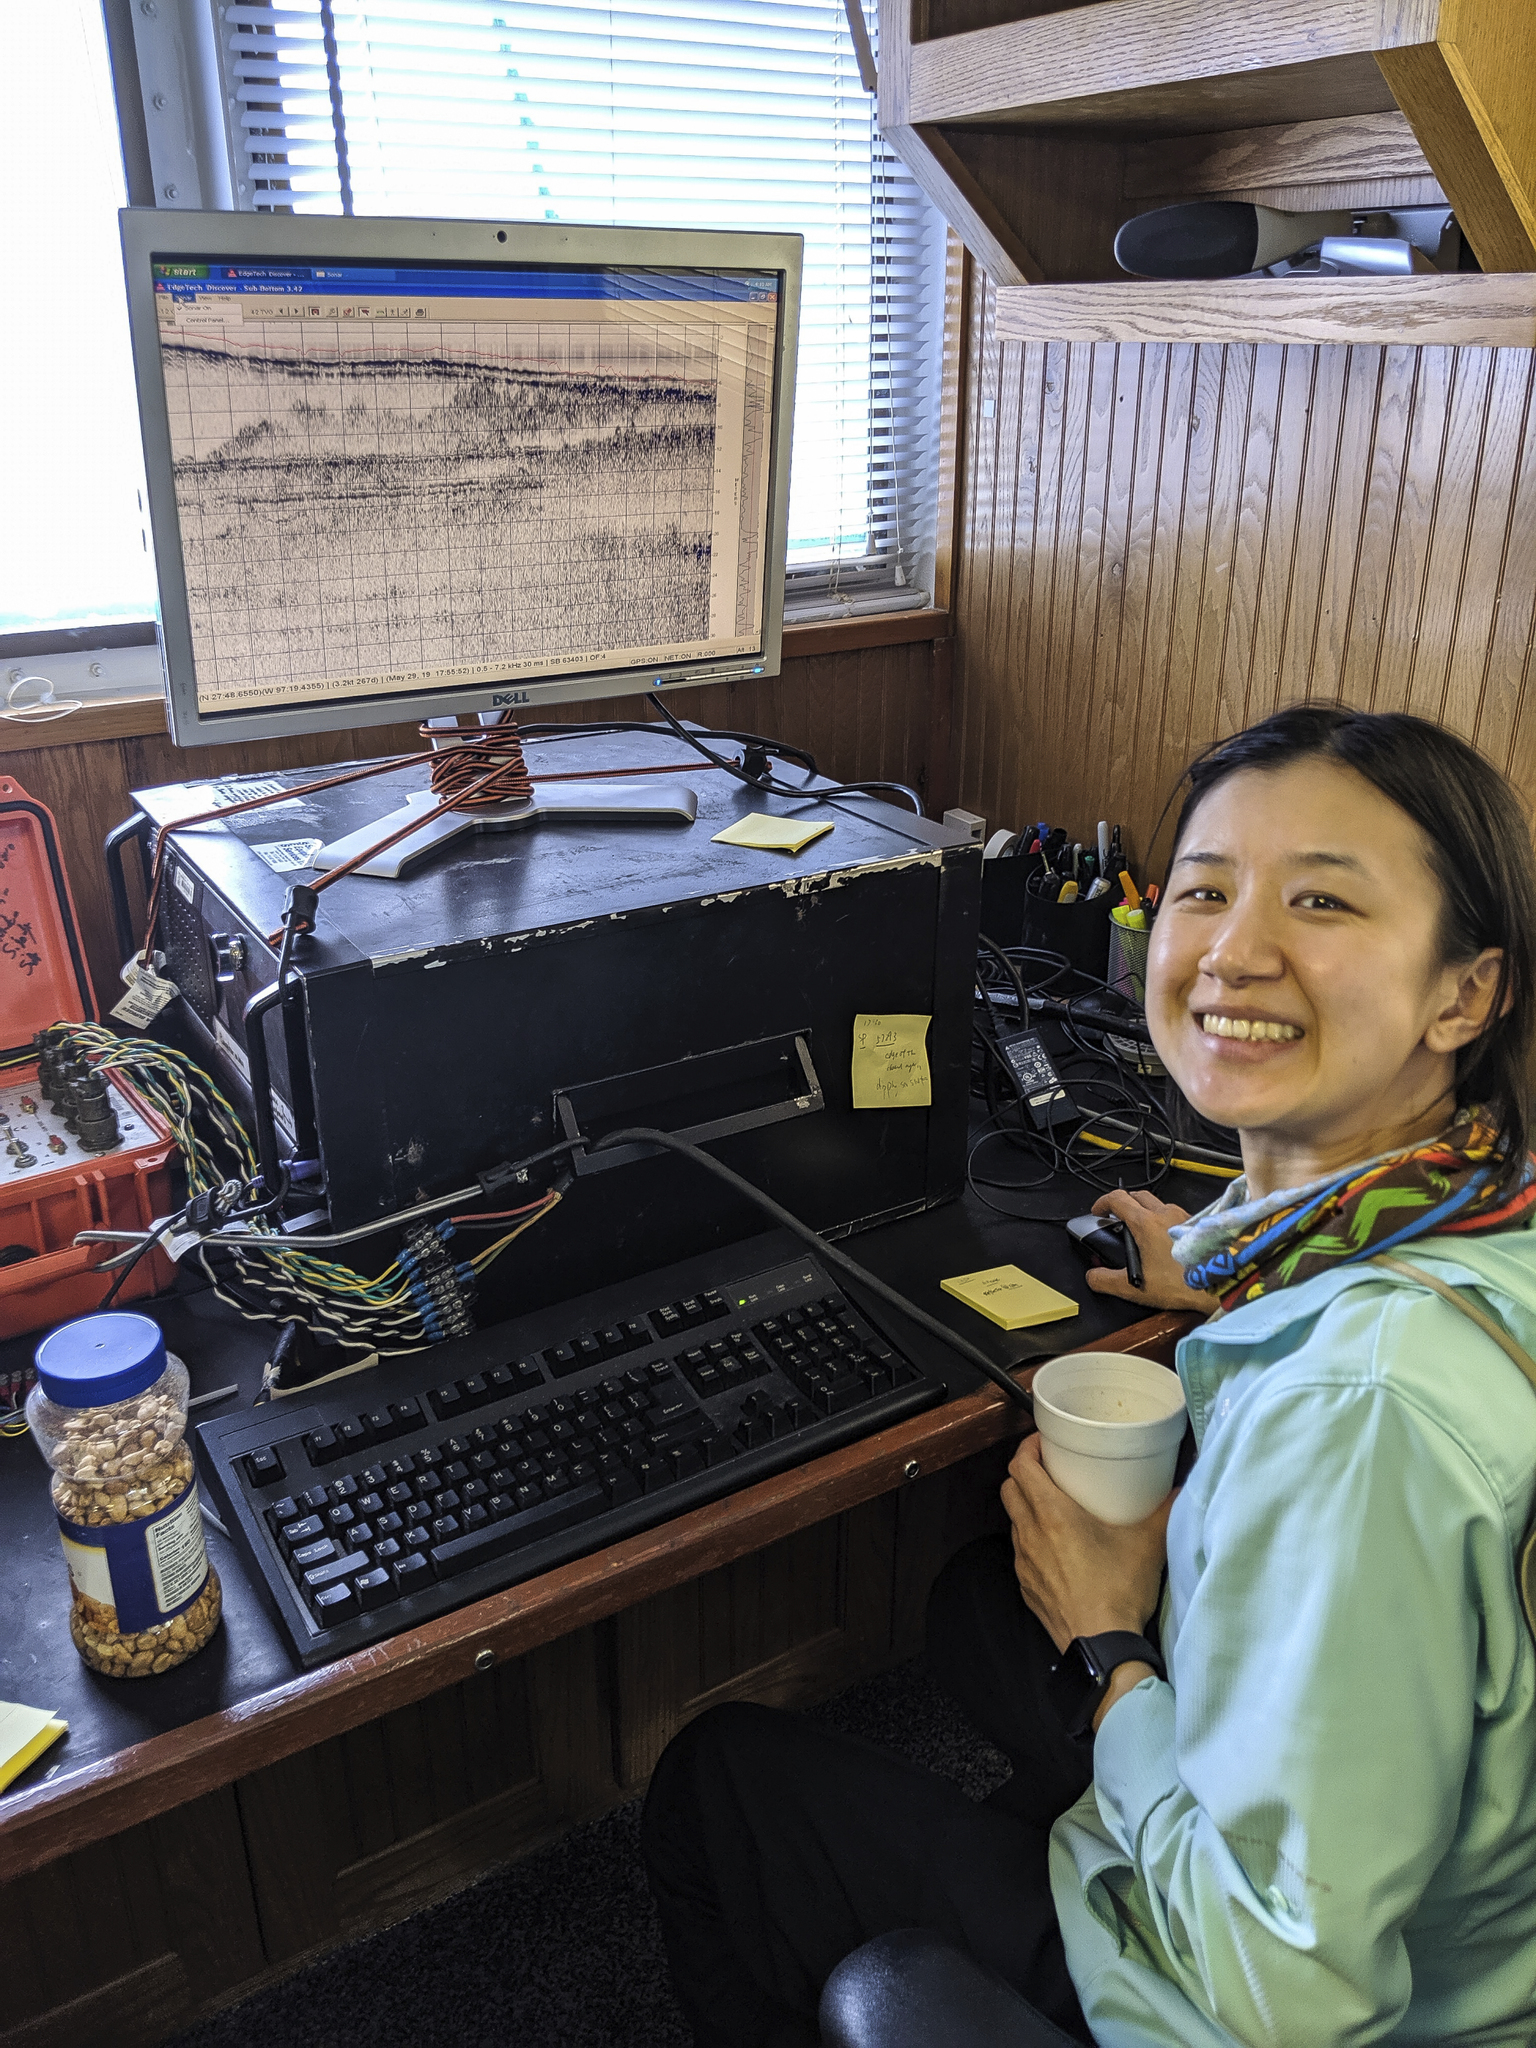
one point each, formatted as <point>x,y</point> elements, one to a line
<point>413,468</point>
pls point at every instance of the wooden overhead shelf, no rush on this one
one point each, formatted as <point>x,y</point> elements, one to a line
<point>1466,310</point>
<point>1038,137</point>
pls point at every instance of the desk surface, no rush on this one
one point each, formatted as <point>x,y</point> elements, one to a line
<point>137,1749</point>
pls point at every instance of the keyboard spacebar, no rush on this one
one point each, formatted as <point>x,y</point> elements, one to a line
<point>497,1538</point>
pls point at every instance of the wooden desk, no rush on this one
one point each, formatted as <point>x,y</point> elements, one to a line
<point>241,1814</point>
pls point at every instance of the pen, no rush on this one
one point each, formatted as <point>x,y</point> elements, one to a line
<point>1077,858</point>
<point>1103,846</point>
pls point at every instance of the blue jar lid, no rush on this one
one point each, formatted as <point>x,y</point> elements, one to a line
<point>98,1359</point>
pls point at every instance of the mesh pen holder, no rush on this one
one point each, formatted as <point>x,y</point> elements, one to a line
<point>1127,974</point>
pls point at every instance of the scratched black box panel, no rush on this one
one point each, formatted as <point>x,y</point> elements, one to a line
<point>580,976</point>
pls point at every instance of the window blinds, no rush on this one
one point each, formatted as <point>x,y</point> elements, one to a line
<point>652,113</point>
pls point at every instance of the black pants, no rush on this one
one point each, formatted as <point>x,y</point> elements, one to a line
<point>776,1847</point>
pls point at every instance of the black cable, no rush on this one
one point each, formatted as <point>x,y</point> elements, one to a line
<point>767,783</point>
<point>138,1253</point>
<point>999,1375</point>
<point>781,748</point>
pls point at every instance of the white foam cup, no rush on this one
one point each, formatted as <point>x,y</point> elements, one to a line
<point>1110,1428</point>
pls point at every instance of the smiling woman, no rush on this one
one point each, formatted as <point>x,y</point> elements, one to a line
<point>1346,952</point>
<point>1294,1798</point>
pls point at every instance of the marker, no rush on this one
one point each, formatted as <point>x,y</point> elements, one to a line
<point>1077,858</point>
<point>1068,893</point>
<point>1103,846</point>
<point>1100,888</point>
<point>1132,893</point>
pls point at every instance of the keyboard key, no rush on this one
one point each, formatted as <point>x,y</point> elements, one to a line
<point>360,1536</point>
<point>474,1517</point>
<point>613,1341</point>
<point>475,1391</point>
<point>412,1573</point>
<point>455,1447</point>
<point>321,1446</point>
<point>499,1506</point>
<point>407,1414</point>
<point>294,1535</point>
<point>353,1435</point>
<point>387,1551</point>
<point>335,1604</point>
<point>334,1569</point>
<point>368,1505</point>
<point>344,1488</point>
<point>381,1425</point>
<point>282,1511</point>
<point>636,1336</point>
<point>264,1467</point>
<point>396,1469</point>
<point>389,1525</point>
<point>339,1517</point>
<point>445,1502</point>
<point>373,1589</point>
<point>501,1381</point>
<point>308,1555</point>
<point>527,1495</point>
<point>415,1539</point>
<point>444,1528</point>
<point>401,1494</point>
<point>446,1402</point>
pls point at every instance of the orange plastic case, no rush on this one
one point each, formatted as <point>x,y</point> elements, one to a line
<point>44,980</point>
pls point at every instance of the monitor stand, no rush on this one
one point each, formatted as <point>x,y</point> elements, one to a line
<point>626,803</point>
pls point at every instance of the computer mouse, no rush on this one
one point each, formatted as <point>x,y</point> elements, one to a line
<point>1105,1241</point>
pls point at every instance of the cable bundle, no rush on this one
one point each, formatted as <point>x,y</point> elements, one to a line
<point>1124,1138</point>
<point>478,768</point>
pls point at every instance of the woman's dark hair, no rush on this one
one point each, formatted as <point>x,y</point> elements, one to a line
<point>1479,848</point>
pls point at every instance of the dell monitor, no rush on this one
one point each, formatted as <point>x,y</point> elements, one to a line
<point>409,469</point>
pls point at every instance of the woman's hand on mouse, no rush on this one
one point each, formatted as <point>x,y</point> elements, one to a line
<point>1081,1576</point>
<point>1149,1221</point>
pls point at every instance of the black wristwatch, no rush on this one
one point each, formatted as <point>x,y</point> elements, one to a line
<point>1080,1679</point>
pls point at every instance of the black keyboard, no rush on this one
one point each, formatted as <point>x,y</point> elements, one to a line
<point>387,1497</point>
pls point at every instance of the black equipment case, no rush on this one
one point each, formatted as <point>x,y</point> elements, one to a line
<point>520,986</point>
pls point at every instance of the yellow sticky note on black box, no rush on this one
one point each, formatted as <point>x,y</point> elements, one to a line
<point>890,1062</point>
<point>1010,1297</point>
<point>774,835</point>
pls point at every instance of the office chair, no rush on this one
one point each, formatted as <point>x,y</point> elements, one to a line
<point>910,1989</point>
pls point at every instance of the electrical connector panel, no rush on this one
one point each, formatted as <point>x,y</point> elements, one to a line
<point>36,1140</point>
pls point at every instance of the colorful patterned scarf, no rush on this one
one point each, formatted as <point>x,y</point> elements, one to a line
<point>1239,1250</point>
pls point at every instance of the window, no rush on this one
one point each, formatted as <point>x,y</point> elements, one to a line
<point>661,113</point>
<point>744,113</point>
<point>74,568</point>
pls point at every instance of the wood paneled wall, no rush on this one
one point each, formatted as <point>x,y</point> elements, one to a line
<point>1161,544</point>
<point>872,711</point>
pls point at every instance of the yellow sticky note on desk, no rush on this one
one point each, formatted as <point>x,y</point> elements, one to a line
<point>890,1062</point>
<point>1009,1297</point>
<point>774,835</point>
<point>25,1732</point>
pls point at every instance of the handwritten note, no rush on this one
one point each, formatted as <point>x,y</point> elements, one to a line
<point>773,835</point>
<point>890,1062</point>
<point>1010,1297</point>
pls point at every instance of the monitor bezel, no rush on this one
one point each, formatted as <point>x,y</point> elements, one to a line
<point>153,234</point>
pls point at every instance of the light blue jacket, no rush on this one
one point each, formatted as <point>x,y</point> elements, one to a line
<point>1323,1829</point>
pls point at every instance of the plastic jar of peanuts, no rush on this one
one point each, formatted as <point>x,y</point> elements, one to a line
<point>109,1413</point>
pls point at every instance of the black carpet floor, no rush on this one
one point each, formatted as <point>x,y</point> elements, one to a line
<point>561,1949</point>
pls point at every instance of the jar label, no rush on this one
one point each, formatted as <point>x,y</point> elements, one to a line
<point>148,1570</point>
